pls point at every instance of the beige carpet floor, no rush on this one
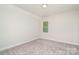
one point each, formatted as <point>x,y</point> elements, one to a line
<point>43,47</point>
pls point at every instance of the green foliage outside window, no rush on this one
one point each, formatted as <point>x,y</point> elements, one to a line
<point>45,26</point>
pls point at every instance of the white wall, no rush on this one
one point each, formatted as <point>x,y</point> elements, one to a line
<point>78,29</point>
<point>17,26</point>
<point>63,27</point>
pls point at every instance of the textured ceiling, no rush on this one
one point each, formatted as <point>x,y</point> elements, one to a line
<point>49,10</point>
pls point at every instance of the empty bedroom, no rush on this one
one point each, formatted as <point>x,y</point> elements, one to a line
<point>39,29</point>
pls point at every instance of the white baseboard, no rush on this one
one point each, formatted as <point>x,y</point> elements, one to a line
<point>5,48</point>
<point>35,39</point>
<point>62,41</point>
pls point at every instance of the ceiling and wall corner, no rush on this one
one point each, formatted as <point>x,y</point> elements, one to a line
<point>51,9</point>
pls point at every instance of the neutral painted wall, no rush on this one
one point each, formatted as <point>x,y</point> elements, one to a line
<point>17,26</point>
<point>63,27</point>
